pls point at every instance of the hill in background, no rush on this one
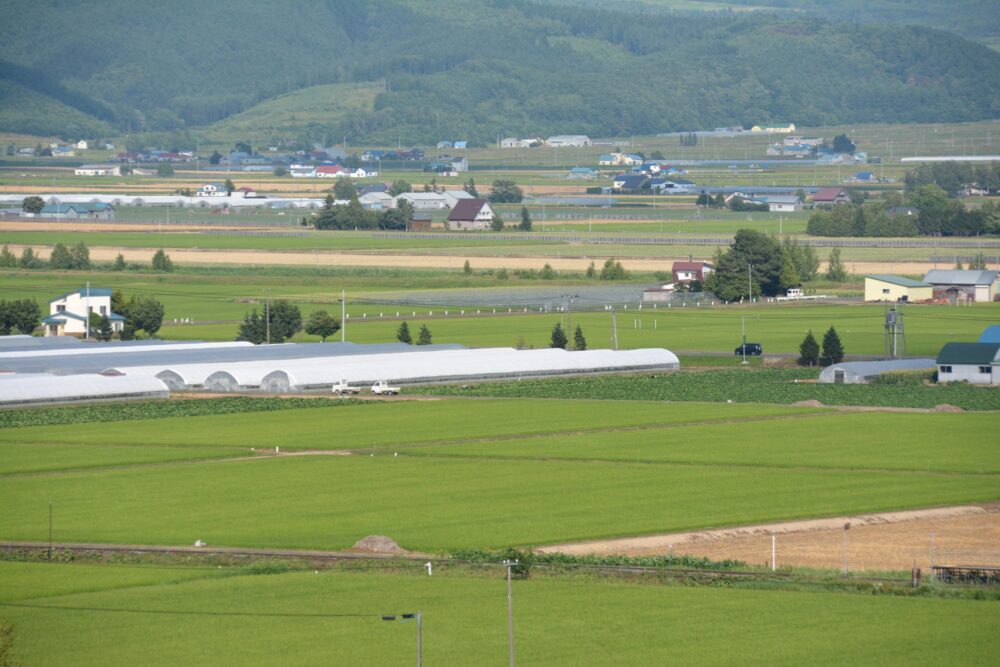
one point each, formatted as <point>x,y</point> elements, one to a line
<point>417,71</point>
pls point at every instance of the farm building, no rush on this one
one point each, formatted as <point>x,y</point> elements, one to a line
<point>89,211</point>
<point>831,196</point>
<point>882,287</point>
<point>860,372</point>
<point>781,203</point>
<point>98,170</point>
<point>568,140</point>
<point>411,367</point>
<point>420,221</point>
<point>470,214</point>
<point>24,390</point>
<point>977,363</point>
<point>685,272</point>
<point>956,286</point>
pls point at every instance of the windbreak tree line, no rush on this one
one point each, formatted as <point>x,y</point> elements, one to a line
<point>758,265</point>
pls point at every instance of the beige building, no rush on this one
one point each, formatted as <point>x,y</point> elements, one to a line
<point>896,288</point>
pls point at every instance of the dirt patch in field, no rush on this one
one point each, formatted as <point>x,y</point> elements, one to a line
<point>964,535</point>
<point>378,544</point>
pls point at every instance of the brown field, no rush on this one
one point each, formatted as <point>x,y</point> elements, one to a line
<point>965,535</point>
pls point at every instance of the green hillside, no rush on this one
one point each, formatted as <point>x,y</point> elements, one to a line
<point>28,112</point>
<point>473,69</point>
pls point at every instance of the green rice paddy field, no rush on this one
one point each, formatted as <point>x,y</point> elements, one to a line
<point>219,303</point>
<point>170,616</point>
<point>450,474</point>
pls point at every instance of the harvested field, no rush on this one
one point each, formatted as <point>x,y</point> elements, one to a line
<point>963,535</point>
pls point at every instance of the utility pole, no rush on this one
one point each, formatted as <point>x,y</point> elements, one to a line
<point>343,315</point>
<point>86,310</point>
<point>750,282</point>
<point>267,316</point>
<point>510,612</point>
<point>614,330</point>
<point>744,346</point>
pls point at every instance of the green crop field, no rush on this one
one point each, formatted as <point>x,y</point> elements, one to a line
<point>490,487</point>
<point>152,616</point>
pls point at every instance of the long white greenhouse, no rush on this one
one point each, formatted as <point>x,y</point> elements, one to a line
<point>30,389</point>
<point>290,375</point>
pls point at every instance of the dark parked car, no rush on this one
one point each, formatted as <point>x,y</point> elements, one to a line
<point>749,349</point>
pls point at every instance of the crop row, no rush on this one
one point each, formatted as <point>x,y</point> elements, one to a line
<point>737,385</point>
<point>104,412</point>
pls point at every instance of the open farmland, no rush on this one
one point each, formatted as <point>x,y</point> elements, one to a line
<point>130,615</point>
<point>490,487</point>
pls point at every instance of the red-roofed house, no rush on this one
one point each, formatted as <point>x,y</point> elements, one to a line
<point>685,272</point>
<point>831,196</point>
<point>471,214</point>
<point>330,171</point>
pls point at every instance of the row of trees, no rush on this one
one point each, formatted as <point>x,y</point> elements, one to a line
<point>832,352</point>
<point>355,216</point>
<point>423,336</point>
<point>559,339</point>
<point>75,258</point>
<point>19,316</point>
<point>954,177</point>
<point>936,215</point>
<point>281,320</point>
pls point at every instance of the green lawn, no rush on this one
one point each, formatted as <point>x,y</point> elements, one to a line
<point>122,615</point>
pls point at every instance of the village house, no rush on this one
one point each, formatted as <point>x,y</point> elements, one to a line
<point>98,170</point>
<point>330,171</point>
<point>423,200</point>
<point>69,313</point>
<point>831,196</point>
<point>687,272</point>
<point>93,211</point>
<point>212,190</point>
<point>975,363</point>
<point>781,203</point>
<point>471,214</point>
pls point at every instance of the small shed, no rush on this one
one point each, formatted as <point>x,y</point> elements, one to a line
<point>884,287</point>
<point>976,363</point>
<point>860,372</point>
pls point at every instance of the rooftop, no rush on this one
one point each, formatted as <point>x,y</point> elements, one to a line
<point>897,280</point>
<point>958,277</point>
<point>969,353</point>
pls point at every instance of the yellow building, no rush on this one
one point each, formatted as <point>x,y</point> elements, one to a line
<point>896,288</point>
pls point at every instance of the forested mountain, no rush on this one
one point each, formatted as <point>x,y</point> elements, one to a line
<point>476,68</point>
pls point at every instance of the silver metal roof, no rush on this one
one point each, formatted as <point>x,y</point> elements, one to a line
<point>958,277</point>
<point>855,371</point>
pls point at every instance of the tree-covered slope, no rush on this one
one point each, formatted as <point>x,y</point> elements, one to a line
<point>476,68</point>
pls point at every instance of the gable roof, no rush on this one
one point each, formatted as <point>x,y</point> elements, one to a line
<point>897,280</point>
<point>94,291</point>
<point>969,353</point>
<point>828,194</point>
<point>631,181</point>
<point>991,334</point>
<point>466,209</point>
<point>957,277</point>
<point>691,266</point>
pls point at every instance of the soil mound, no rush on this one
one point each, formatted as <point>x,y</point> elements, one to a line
<point>811,403</point>
<point>944,407</point>
<point>378,544</point>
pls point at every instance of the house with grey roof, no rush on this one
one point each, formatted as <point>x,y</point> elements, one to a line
<point>976,363</point>
<point>956,286</point>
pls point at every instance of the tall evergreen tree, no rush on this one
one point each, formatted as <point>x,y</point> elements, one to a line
<point>525,225</point>
<point>424,337</point>
<point>579,342</point>
<point>809,350</point>
<point>403,334</point>
<point>833,349</point>
<point>559,337</point>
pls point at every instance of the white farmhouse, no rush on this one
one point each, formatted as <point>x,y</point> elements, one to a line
<point>68,313</point>
<point>98,170</point>
<point>213,190</point>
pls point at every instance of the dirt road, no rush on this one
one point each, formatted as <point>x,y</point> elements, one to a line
<point>968,535</point>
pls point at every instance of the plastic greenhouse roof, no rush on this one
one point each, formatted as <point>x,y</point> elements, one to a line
<point>870,368</point>
<point>19,388</point>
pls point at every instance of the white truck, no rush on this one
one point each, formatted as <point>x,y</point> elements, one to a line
<point>344,389</point>
<point>382,388</point>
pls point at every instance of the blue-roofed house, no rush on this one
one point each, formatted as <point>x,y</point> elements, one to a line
<point>95,211</point>
<point>607,160</point>
<point>582,173</point>
<point>68,313</point>
<point>865,177</point>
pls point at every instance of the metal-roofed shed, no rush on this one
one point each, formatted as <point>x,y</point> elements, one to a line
<point>885,287</point>
<point>860,372</point>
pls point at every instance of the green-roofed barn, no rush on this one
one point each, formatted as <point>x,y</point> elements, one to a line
<point>977,363</point>
<point>883,287</point>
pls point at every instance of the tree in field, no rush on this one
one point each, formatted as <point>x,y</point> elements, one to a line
<point>789,276</point>
<point>399,186</point>
<point>835,269</point>
<point>59,257</point>
<point>119,264</point>
<point>559,337</point>
<point>8,260</point>
<point>230,187</point>
<point>286,320</point>
<point>253,329</point>
<point>141,314</point>
<point>403,334</point>
<point>79,256</point>
<point>344,189</point>
<point>280,170</point>
<point>322,324</point>
<point>164,170</point>
<point>751,267</point>
<point>579,342</point>
<point>20,316</point>
<point>470,187</point>
<point>29,260</point>
<point>104,331</point>
<point>496,224</point>
<point>424,338</point>
<point>833,349</point>
<point>467,269</point>
<point>525,225</point>
<point>505,192</point>
<point>809,350</point>
<point>33,204</point>
<point>162,262</point>
<point>843,144</point>
<point>613,270</point>
<point>215,158</point>
<point>591,271</point>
